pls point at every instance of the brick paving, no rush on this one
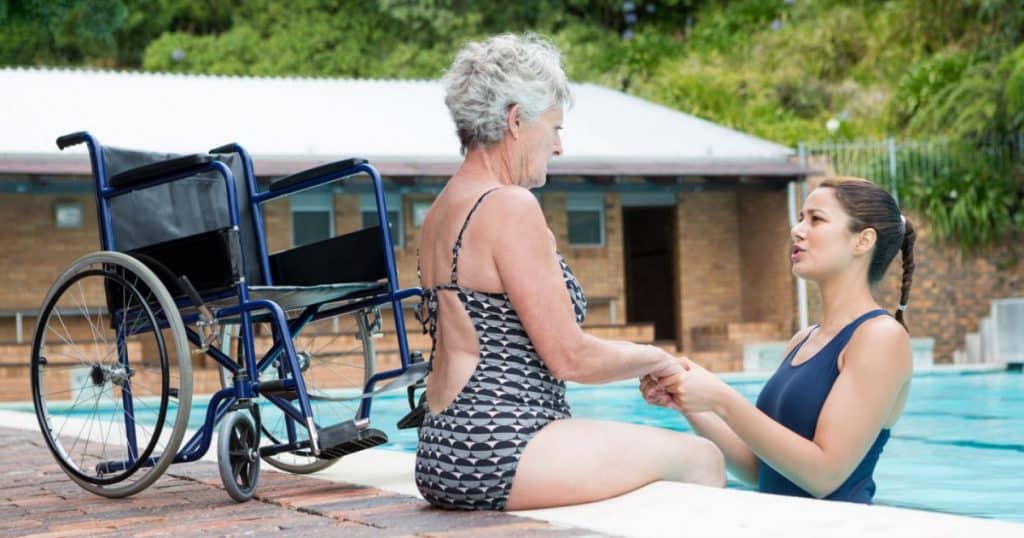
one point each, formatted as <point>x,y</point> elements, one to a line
<point>37,499</point>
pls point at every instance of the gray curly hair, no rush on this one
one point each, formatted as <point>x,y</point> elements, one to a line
<point>487,77</point>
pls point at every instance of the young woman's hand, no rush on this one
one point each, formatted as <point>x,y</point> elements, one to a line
<point>696,389</point>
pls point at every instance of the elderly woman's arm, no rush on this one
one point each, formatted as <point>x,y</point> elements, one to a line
<point>528,266</point>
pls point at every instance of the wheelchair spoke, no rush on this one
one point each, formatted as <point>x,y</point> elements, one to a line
<point>331,356</point>
<point>84,309</point>
<point>113,442</point>
<point>68,334</point>
<point>92,413</point>
<point>81,392</point>
<point>110,427</point>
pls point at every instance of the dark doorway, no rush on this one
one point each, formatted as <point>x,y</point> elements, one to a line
<point>649,234</point>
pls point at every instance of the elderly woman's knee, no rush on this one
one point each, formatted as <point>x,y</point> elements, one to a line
<point>703,461</point>
<point>714,464</point>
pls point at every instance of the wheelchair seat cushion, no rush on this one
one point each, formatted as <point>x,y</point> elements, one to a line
<point>345,267</point>
<point>354,257</point>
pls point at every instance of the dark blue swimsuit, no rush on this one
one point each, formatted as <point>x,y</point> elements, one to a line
<point>794,397</point>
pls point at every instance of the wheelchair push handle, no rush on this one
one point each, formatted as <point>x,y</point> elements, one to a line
<point>226,148</point>
<point>72,139</point>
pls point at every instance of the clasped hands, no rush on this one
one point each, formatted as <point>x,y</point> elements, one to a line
<point>685,386</point>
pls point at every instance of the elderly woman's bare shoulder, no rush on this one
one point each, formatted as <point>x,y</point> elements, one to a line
<point>515,201</point>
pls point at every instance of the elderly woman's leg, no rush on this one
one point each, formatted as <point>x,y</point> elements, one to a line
<point>575,461</point>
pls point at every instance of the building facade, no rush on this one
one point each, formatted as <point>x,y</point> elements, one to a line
<point>676,227</point>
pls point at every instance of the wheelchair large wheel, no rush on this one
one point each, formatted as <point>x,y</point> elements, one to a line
<point>111,374</point>
<point>337,357</point>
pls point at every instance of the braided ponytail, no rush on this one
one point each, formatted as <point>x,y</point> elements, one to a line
<point>870,206</point>
<point>907,254</point>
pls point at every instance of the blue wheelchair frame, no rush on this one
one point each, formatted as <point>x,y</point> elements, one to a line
<point>245,387</point>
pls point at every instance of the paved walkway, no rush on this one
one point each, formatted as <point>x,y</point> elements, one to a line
<point>38,499</point>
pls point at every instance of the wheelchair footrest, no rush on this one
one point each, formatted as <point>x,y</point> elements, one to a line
<point>414,419</point>
<point>347,438</point>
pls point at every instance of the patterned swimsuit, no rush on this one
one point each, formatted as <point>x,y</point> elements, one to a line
<point>468,452</point>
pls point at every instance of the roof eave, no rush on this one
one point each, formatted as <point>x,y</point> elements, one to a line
<point>78,164</point>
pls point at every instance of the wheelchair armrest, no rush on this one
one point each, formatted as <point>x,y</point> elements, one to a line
<point>170,167</point>
<point>322,170</point>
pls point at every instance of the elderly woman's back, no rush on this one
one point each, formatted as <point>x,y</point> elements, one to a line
<point>503,310</point>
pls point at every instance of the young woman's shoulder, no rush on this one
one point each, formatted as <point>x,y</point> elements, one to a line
<point>880,343</point>
<point>798,337</point>
<point>883,330</point>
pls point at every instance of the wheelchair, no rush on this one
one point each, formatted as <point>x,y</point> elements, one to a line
<point>184,276</point>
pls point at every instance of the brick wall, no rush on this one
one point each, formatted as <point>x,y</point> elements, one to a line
<point>600,270</point>
<point>951,291</point>
<point>338,349</point>
<point>950,294</point>
<point>709,261</point>
<point>731,255</point>
<point>277,223</point>
<point>767,283</point>
<point>34,250</point>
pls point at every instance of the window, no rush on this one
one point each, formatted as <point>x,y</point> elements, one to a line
<point>368,208</point>
<point>68,215</point>
<point>419,211</point>
<point>312,216</point>
<point>586,219</point>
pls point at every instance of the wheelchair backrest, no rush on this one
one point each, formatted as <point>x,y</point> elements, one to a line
<point>182,208</point>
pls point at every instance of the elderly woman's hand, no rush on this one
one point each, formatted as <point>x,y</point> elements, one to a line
<point>654,394</point>
<point>696,389</point>
<point>668,366</point>
<point>650,387</point>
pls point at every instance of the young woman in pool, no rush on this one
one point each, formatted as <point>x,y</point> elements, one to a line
<point>821,421</point>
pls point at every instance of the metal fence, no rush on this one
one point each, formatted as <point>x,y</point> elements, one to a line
<point>894,162</point>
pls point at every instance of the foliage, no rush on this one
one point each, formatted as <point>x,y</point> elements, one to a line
<point>881,66</point>
<point>969,203</point>
<point>780,69</point>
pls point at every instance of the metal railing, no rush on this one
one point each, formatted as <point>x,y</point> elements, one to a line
<point>894,162</point>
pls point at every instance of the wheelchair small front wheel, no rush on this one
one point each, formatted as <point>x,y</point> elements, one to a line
<point>238,455</point>
<point>111,374</point>
<point>336,357</point>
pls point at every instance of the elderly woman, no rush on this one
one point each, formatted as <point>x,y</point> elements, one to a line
<point>503,311</point>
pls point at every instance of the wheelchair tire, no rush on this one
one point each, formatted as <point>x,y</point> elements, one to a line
<point>238,455</point>
<point>354,358</point>
<point>121,378</point>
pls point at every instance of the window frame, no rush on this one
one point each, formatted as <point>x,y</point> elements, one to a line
<point>320,200</point>
<point>586,202</point>
<point>368,204</point>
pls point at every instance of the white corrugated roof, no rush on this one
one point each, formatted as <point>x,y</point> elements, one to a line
<point>314,119</point>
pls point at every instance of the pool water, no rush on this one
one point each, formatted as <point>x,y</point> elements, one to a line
<point>959,447</point>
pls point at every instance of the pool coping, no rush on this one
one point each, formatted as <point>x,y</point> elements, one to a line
<point>668,508</point>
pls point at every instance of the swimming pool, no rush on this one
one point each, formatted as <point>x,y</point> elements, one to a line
<point>959,447</point>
